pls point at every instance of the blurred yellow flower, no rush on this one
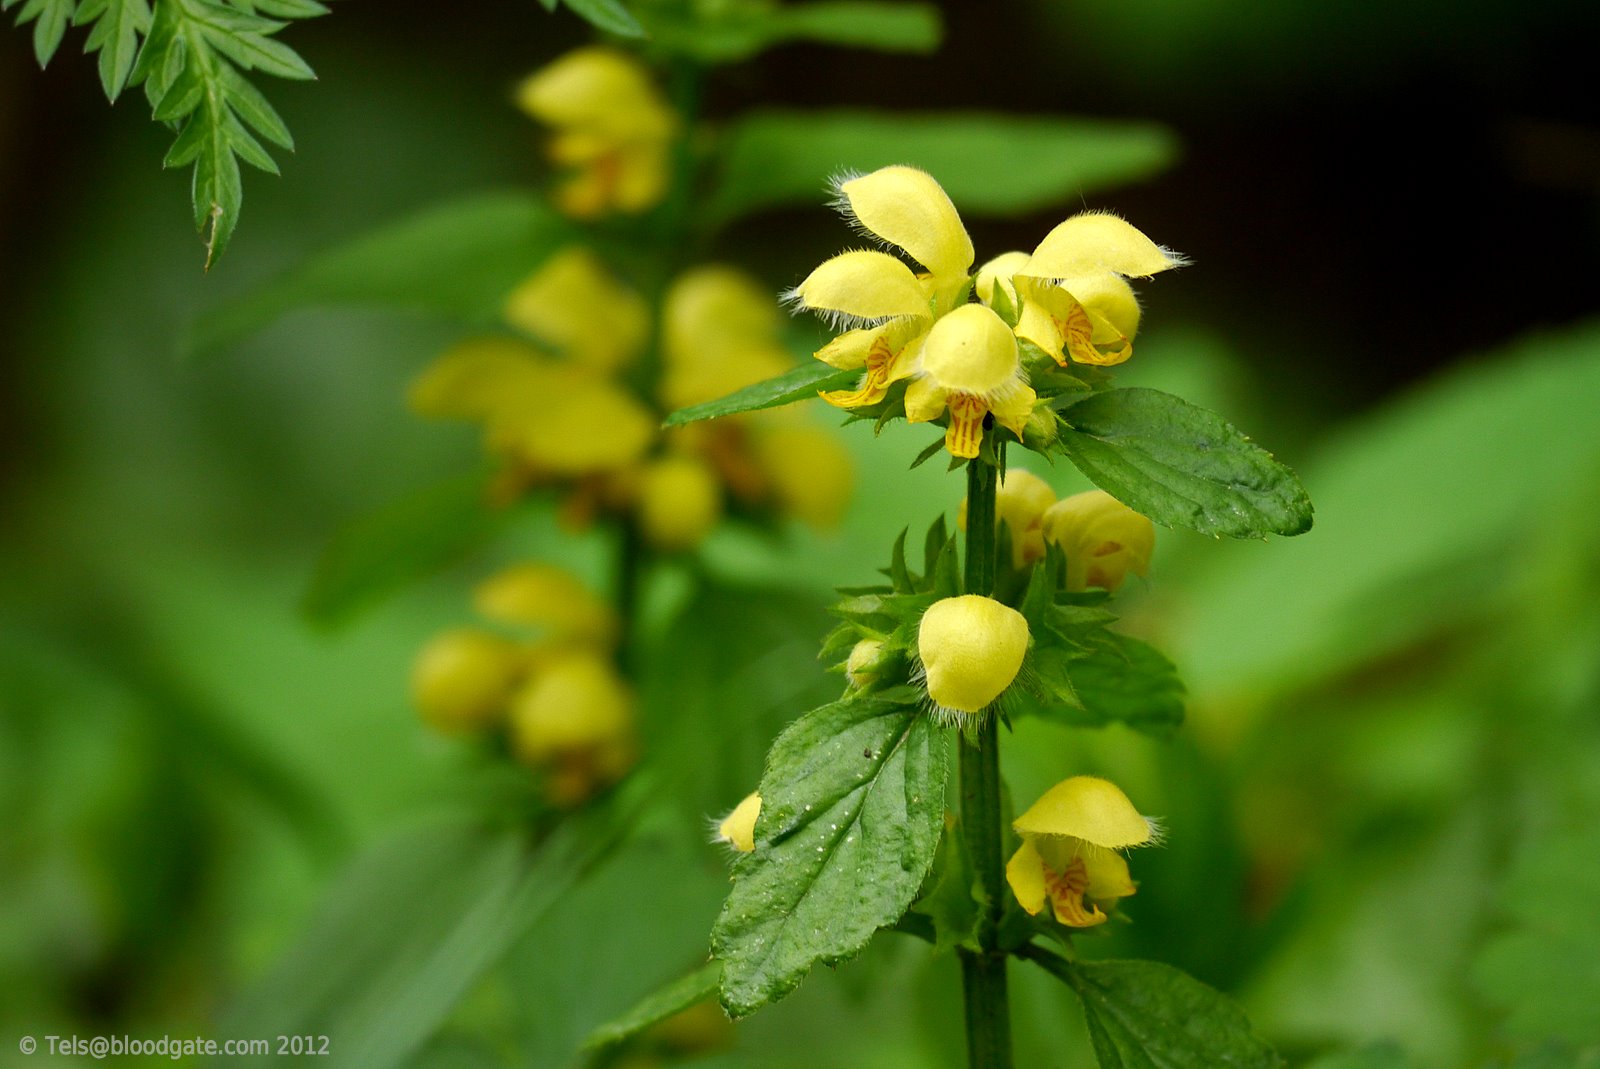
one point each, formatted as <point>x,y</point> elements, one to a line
<point>680,501</point>
<point>1068,857</point>
<point>578,308</point>
<point>738,828</point>
<point>574,721</point>
<point>720,332</point>
<point>549,599</point>
<point>1103,539</point>
<point>576,423</point>
<point>610,127</point>
<point>891,307</point>
<point>808,470</point>
<point>462,680</point>
<point>968,365</point>
<point>971,649</point>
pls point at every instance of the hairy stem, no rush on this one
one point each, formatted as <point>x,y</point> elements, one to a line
<point>983,972</point>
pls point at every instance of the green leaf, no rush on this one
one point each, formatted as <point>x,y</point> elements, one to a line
<point>851,815</point>
<point>457,260</point>
<point>952,905</point>
<point>412,926</point>
<point>607,15</point>
<point>656,1007</point>
<point>50,19</point>
<point>990,164</point>
<point>1128,680</point>
<point>406,540</point>
<point>1146,1015</point>
<point>804,382</point>
<point>743,31</point>
<point>1546,967</point>
<point>1182,466</point>
<point>115,33</point>
<point>1373,1056</point>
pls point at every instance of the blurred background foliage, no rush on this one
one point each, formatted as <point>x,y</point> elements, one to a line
<point>1381,815</point>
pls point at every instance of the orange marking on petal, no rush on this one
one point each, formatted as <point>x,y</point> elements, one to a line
<point>874,384</point>
<point>966,424</point>
<point>1066,894</point>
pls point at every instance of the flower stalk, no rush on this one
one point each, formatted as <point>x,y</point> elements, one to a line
<point>983,971</point>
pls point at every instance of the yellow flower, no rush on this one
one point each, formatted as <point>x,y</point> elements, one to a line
<point>545,597</point>
<point>1102,539</point>
<point>574,720</point>
<point>892,307</point>
<point>971,649</point>
<point>576,424</point>
<point>577,307</point>
<point>610,126</point>
<point>462,680</point>
<point>680,501</point>
<point>738,828</point>
<point>474,379</point>
<point>1073,297</point>
<point>968,365</point>
<point>1070,839</point>
<point>720,332</point>
<point>1020,499</point>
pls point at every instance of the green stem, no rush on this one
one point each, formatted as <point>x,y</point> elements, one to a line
<point>629,565</point>
<point>983,971</point>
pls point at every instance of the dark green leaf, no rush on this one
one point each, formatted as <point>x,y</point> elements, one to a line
<point>1182,466</point>
<point>658,1006</point>
<point>1146,1015</point>
<point>804,382</point>
<point>952,905</point>
<point>852,810</point>
<point>741,32</point>
<point>607,15</point>
<point>989,164</point>
<point>378,553</point>
<point>1128,680</point>
<point>458,259</point>
<point>899,574</point>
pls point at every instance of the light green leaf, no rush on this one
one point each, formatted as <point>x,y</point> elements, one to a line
<point>458,259</point>
<point>801,384</point>
<point>412,926</point>
<point>376,554</point>
<point>1182,466</point>
<point>50,19</point>
<point>851,815</point>
<point>990,164</point>
<point>656,1007</point>
<point>742,32</point>
<point>1146,1015</point>
<point>1546,968</point>
<point>116,28</point>
<point>607,15</point>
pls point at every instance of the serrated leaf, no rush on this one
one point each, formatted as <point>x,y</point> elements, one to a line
<point>376,554</point>
<point>246,147</point>
<point>990,164</point>
<point>117,26</point>
<point>1181,465</point>
<point>656,1007</point>
<point>741,32</point>
<point>852,810</point>
<point>459,259</point>
<point>1124,679</point>
<point>801,384</point>
<point>933,544</point>
<point>256,51</point>
<point>607,15</point>
<point>1146,1015</point>
<point>252,108</point>
<point>899,574</point>
<point>290,9</point>
<point>50,19</point>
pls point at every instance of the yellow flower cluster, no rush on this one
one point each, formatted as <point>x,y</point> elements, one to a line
<point>1069,854</point>
<point>557,408</point>
<point>960,360</point>
<point>555,694</point>
<point>1102,539</point>
<point>611,132</point>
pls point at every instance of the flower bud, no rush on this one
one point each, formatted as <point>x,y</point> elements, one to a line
<point>738,828</point>
<point>462,680</point>
<point>861,669</point>
<point>1102,538</point>
<point>680,502</point>
<point>546,597</point>
<point>971,649</point>
<point>574,719</point>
